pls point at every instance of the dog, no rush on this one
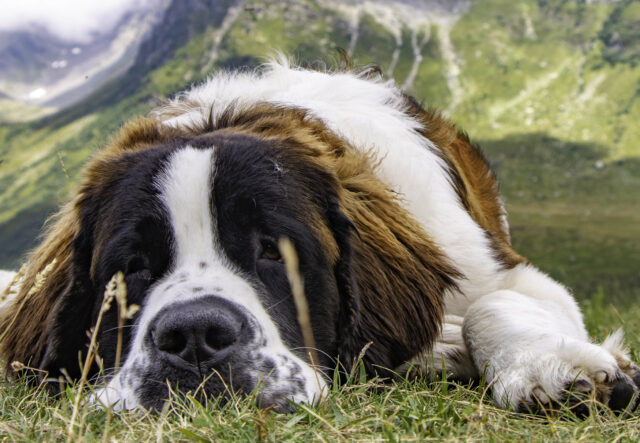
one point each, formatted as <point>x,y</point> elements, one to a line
<point>400,231</point>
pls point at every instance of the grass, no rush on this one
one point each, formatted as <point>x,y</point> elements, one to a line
<point>556,80</point>
<point>13,111</point>
<point>360,409</point>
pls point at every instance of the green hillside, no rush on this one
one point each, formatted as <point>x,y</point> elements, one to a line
<point>548,88</point>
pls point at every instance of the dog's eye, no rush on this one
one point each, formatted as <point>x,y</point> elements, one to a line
<point>270,250</point>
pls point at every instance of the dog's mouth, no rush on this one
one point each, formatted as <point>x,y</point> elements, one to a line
<point>273,380</point>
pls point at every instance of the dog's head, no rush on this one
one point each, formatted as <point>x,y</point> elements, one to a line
<point>192,218</point>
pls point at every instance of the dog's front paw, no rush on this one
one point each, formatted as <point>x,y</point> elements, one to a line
<point>572,375</point>
<point>536,383</point>
<point>574,395</point>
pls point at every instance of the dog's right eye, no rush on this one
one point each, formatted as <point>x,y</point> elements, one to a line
<point>270,251</point>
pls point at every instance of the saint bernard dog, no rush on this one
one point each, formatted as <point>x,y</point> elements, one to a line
<point>401,236</point>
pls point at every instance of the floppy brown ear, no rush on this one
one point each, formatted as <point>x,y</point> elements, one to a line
<point>47,277</point>
<point>55,293</point>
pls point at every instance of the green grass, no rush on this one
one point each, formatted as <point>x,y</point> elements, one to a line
<point>430,80</point>
<point>580,247</point>
<point>12,111</point>
<point>358,410</point>
<point>572,212</point>
<point>375,43</point>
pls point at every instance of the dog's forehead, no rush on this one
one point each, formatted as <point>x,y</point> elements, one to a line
<point>200,190</point>
<point>234,186</point>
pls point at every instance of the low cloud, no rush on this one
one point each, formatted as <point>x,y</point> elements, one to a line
<point>71,20</point>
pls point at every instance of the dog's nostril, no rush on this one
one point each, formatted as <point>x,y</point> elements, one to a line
<point>172,341</point>
<point>220,337</point>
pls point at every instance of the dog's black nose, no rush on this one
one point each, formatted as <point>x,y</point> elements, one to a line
<point>200,332</point>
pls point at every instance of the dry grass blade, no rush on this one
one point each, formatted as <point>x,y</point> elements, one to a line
<point>124,312</point>
<point>113,290</point>
<point>290,258</point>
<point>64,169</point>
<point>117,288</point>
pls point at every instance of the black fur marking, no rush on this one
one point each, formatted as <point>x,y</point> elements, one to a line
<point>268,365</point>
<point>623,392</point>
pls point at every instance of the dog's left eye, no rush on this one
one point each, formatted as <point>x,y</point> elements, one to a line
<point>270,250</point>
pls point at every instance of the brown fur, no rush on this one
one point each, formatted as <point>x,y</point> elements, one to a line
<point>24,321</point>
<point>473,178</point>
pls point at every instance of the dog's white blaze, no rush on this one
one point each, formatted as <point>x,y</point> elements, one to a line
<point>186,192</point>
<point>185,189</point>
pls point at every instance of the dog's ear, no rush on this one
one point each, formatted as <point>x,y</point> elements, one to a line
<point>65,335</point>
<point>47,284</point>
<point>46,324</point>
<point>392,276</point>
<point>45,327</point>
<point>349,309</point>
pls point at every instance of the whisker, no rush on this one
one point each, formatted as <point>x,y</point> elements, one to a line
<point>116,328</point>
<point>332,359</point>
<point>278,302</point>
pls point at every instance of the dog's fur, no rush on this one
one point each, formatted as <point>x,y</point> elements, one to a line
<point>403,241</point>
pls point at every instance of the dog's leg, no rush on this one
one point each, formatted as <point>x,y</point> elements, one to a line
<point>532,344</point>
<point>448,352</point>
